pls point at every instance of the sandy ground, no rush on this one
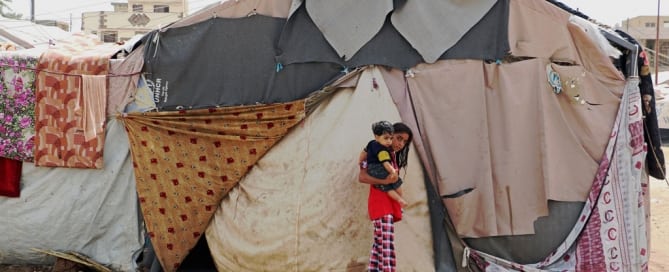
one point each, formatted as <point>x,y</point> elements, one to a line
<point>659,223</point>
<point>659,231</point>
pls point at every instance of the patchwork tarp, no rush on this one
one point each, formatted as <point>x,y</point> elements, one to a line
<point>183,74</point>
<point>422,23</point>
<point>301,41</point>
<point>611,233</point>
<point>187,161</point>
<point>301,207</point>
<point>349,25</point>
<point>93,212</point>
<point>503,161</point>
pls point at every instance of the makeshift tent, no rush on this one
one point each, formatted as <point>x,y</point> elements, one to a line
<point>529,151</point>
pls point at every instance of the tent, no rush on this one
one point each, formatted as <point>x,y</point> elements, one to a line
<point>245,125</point>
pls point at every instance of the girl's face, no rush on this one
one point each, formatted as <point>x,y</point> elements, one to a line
<point>400,139</point>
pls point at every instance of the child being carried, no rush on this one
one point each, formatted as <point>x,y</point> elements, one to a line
<point>380,160</point>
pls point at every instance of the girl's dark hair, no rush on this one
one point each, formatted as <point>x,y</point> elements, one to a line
<point>403,155</point>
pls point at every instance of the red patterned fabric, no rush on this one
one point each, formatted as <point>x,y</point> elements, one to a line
<point>60,140</point>
<point>186,162</point>
<point>10,177</point>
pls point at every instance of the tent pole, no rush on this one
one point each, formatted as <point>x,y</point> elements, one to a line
<point>657,41</point>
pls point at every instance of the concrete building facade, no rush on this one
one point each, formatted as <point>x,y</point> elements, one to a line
<point>132,18</point>
<point>644,30</point>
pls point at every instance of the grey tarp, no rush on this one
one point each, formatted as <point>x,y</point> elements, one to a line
<point>550,232</point>
<point>89,211</point>
<point>348,24</point>
<point>430,26</point>
<point>434,26</point>
<point>225,62</point>
<point>301,41</point>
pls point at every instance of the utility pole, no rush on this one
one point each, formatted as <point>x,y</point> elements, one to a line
<point>657,40</point>
<point>32,11</point>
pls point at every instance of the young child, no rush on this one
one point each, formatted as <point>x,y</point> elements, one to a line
<point>379,156</point>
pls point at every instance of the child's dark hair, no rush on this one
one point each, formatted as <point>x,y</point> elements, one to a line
<point>402,155</point>
<point>382,127</point>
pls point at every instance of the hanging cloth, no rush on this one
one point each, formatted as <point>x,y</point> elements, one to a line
<point>93,99</point>
<point>186,162</point>
<point>10,177</point>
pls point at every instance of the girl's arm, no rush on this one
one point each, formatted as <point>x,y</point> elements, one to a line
<point>364,177</point>
<point>362,157</point>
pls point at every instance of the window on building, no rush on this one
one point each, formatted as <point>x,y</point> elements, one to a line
<point>161,8</point>
<point>666,23</point>
<point>137,8</point>
<point>109,36</point>
<point>650,24</point>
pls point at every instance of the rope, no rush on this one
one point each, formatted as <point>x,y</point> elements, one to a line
<point>657,160</point>
<point>65,74</point>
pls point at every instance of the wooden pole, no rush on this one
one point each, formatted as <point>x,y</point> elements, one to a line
<point>657,42</point>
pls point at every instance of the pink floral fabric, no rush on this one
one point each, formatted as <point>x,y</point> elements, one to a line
<point>17,110</point>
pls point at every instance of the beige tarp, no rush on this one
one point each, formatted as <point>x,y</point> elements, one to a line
<point>537,29</point>
<point>518,133</point>
<point>301,207</point>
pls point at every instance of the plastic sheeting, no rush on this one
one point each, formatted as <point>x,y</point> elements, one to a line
<point>301,207</point>
<point>93,212</point>
<point>226,62</point>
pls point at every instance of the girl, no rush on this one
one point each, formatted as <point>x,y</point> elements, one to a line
<point>383,210</point>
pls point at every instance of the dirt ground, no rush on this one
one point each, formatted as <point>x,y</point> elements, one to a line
<point>659,231</point>
<point>659,224</point>
<point>24,268</point>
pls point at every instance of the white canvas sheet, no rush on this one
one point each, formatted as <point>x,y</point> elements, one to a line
<point>301,208</point>
<point>93,212</point>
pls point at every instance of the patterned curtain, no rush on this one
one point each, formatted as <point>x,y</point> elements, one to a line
<point>185,163</point>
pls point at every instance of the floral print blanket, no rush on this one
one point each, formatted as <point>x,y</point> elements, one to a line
<point>17,110</point>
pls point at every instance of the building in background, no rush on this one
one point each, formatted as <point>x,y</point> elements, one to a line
<point>643,29</point>
<point>134,17</point>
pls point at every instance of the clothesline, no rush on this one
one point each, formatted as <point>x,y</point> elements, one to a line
<point>65,74</point>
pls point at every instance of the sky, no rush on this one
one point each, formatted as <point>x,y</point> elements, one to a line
<point>609,12</point>
<point>612,12</point>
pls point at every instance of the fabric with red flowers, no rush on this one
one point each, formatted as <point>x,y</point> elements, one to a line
<point>186,161</point>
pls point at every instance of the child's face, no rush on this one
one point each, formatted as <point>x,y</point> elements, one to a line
<point>386,139</point>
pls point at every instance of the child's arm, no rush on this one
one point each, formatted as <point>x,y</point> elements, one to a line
<point>391,170</point>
